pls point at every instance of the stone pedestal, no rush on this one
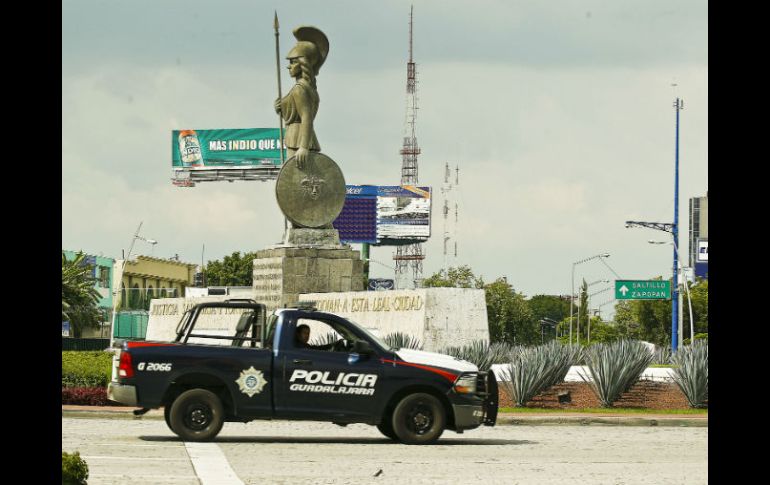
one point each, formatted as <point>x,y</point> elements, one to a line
<point>303,237</point>
<point>281,274</point>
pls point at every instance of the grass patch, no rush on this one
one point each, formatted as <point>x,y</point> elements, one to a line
<point>657,366</point>
<point>603,411</point>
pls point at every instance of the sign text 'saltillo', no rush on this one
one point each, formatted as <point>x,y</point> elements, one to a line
<point>642,290</point>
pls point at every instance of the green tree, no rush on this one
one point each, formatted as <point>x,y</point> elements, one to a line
<point>461,277</point>
<point>603,332</point>
<point>549,306</point>
<point>79,297</point>
<point>625,320</point>
<point>233,270</point>
<point>509,316</point>
<point>582,320</point>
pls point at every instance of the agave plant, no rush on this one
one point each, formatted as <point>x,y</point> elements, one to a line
<point>328,339</point>
<point>531,370</point>
<point>615,367</point>
<point>398,340</point>
<point>691,373</point>
<point>526,374</point>
<point>480,353</point>
<point>662,355</point>
<point>560,358</point>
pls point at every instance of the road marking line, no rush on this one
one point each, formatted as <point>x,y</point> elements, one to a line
<point>211,465</point>
<point>179,445</point>
<point>141,458</point>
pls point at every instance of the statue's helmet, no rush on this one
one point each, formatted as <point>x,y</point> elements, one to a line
<point>312,44</point>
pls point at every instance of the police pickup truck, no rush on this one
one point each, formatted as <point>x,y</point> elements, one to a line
<point>264,370</point>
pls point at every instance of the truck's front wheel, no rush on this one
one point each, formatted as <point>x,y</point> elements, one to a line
<point>419,419</point>
<point>386,428</point>
<point>197,415</point>
<point>167,415</point>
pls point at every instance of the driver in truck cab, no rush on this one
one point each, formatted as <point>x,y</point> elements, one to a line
<point>301,337</point>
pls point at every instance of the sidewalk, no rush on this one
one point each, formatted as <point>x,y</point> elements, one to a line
<point>526,419</point>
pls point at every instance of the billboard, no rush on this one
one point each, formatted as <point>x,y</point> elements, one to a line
<point>403,213</point>
<point>702,270</point>
<point>385,214</point>
<point>357,223</point>
<point>380,284</point>
<point>225,154</point>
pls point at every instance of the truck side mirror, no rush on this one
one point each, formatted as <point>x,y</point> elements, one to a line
<point>362,347</point>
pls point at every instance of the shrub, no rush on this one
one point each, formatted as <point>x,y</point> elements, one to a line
<point>615,367</point>
<point>74,470</point>
<point>398,340</point>
<point>85,369</point>
<point>85,396</point>
<point>691,372</point>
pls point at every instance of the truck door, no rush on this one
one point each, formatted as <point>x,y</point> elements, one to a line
<point>326,381</point>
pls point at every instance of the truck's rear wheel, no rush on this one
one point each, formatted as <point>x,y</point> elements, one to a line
<point>419,419</point>
<point>197,415</point>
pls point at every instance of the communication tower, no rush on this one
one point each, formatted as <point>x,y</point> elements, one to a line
<point>409,258</point>
<point>450,225</point>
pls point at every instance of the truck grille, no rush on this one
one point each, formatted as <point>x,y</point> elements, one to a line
<point>481,384</point>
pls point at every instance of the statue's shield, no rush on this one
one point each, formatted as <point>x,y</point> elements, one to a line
<point>312,196</point>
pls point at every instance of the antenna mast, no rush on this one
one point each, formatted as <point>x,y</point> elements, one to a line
<point>409,257</point>
<point>450,228</point>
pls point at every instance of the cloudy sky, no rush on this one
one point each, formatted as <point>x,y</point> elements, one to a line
<point>559,115</point>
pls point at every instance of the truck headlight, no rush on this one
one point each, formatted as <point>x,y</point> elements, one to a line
<point>466,384</point>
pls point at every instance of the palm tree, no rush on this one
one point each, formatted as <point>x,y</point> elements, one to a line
<point>79,297</point>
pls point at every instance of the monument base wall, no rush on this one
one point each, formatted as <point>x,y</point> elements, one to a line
<point>438,317</point>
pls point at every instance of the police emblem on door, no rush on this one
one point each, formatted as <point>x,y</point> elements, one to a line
<point>251,381</point>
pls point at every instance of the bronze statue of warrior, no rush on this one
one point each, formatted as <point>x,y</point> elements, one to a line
<point>299,107</point>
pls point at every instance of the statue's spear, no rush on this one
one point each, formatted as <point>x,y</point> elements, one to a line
<point>278,71</point>
<point>280,116</point>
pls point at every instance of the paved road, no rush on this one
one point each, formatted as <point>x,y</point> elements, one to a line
<point>144,451</point>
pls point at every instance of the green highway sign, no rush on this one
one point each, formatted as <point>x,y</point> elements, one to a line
<point>642,290</point>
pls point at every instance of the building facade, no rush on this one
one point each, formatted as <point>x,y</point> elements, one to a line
<point>102,272</point>
<point>699,210</point>
<point>147,277</point>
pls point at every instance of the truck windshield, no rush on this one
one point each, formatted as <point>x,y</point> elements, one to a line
<point>370,335</point>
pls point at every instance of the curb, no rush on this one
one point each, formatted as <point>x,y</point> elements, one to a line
<point>112,412</point>
<point>583,420</point>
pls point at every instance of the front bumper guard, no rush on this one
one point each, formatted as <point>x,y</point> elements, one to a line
<point>469,416</point>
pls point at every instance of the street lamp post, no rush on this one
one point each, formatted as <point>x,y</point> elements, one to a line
<point>671,229</point>
<point>686,290</point>
<point>118,290</point>
<point>572,294</point>
<point>674,230</point>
